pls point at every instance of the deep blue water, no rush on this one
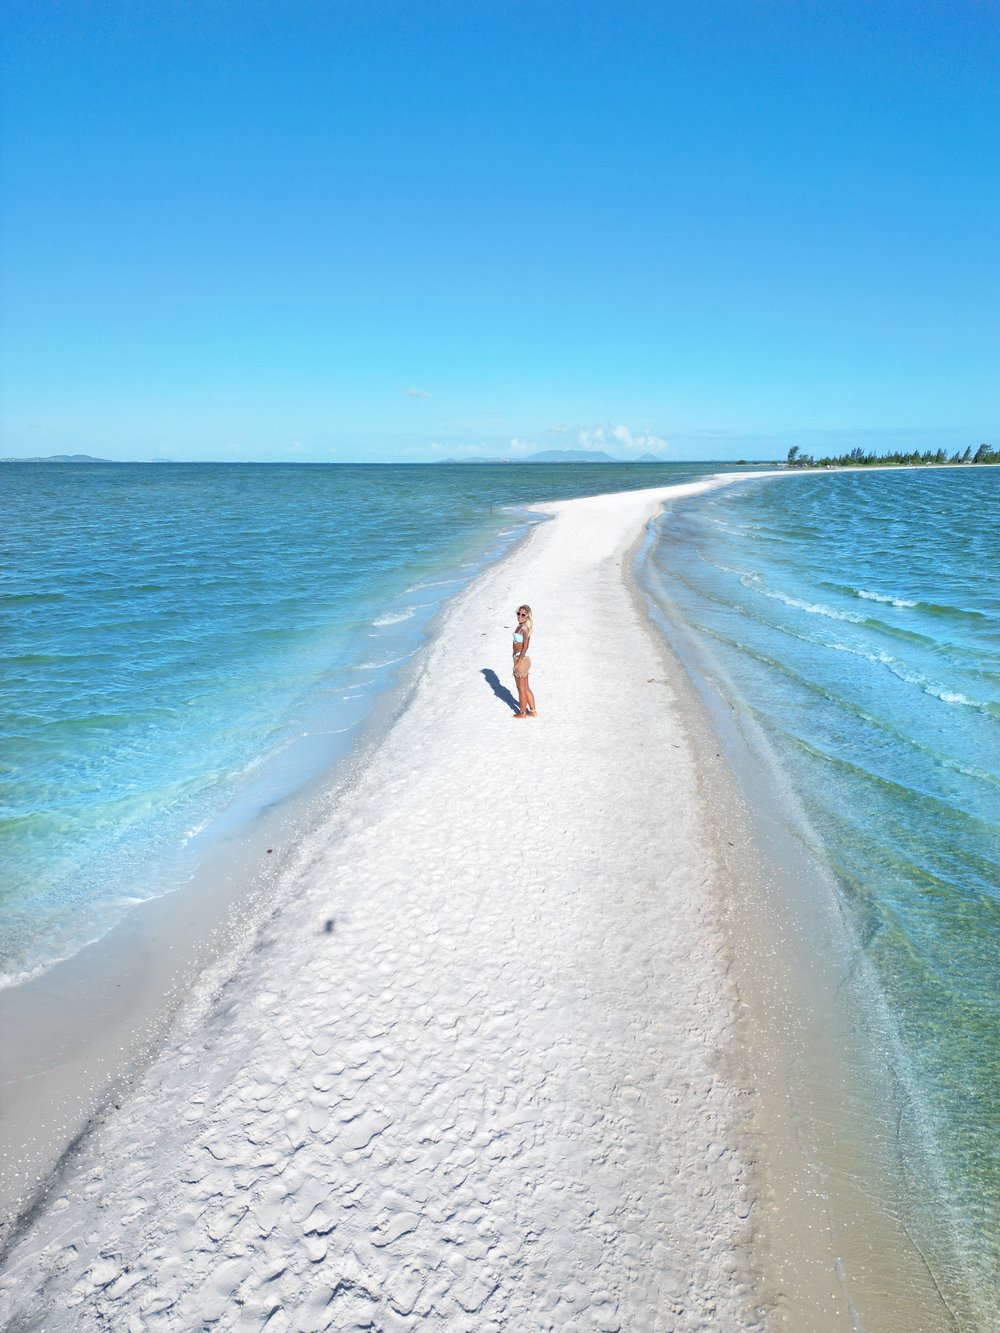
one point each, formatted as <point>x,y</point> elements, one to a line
<point>855,618</point>
<point>169,635</point>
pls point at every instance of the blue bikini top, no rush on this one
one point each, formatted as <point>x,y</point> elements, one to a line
<point>519,637</point>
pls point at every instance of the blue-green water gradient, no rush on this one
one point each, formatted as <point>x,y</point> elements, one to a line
<point>168,632</point>
<point>855,619</point>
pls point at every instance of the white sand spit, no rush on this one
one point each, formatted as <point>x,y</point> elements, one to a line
<point>469,1076</point>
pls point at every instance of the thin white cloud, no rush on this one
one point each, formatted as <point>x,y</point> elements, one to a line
<point>417,393</point>
<point>518,446</point>
<point>592,438</point>
<point>601,437</point>
<point>559,430</point>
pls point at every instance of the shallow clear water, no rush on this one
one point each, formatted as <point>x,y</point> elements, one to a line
<point>855,617</point>
<point>170,634</point>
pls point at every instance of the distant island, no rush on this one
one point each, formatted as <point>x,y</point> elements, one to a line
<point>60,458</point>
<point>858,458</point>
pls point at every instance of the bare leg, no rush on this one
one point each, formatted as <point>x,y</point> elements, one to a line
<point>530,698</point>
<point>522,693</point>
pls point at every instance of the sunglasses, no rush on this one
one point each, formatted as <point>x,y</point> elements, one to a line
<point>521,615</point>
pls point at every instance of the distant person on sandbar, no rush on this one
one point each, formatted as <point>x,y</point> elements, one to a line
<point>522,663</point>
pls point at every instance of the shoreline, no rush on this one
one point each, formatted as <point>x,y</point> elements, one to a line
<point>77,1034</point>
<point>847,1087</point>
<point>666,1063</point>
<point>824,1111</point>
<point>469,1067</point>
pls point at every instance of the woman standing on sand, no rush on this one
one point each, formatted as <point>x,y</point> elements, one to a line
<point>522,663</point>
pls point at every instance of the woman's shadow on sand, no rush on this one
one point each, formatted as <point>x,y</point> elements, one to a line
<point>501,691</point>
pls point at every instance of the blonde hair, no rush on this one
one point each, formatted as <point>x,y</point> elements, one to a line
<point>527,626</point>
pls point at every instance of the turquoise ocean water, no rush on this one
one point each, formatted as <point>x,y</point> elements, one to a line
<point>170,635</point>
<point>855,618</point>
<point>181,641</point>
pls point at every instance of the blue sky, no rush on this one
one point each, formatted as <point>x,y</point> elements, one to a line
<point>371,231</point>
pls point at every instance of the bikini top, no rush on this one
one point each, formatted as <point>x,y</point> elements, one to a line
<point>519,637</point>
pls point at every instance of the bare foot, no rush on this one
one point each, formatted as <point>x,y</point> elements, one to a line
<point>519,715</point>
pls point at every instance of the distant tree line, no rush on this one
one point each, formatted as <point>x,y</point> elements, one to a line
<point>858,458</point>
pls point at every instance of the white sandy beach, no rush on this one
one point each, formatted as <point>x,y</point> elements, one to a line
<point>471,1073</point>
<point>477,1070</point>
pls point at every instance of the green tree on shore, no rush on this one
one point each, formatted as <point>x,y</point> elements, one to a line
<point>914,458</point>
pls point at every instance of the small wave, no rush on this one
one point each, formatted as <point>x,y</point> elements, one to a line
<point>397,617</point>
<point>955,697</point>
<point>947,611</point>
<point>434,583</point>
<point>882,659</point>
<point>942,692</point>
<point>730,528</point>
<point>880,597</point>
<point>731,569</point>
<point>8,980</point>
<point>953,612</point>
<point>377,666</point>
<point>811,608</point>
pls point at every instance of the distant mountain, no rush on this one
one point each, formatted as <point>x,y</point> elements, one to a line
<point>60,458</point>
<point>649,458</point>
<point>570,456</point>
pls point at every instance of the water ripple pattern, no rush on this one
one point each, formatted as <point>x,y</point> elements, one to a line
<point>169,632</point>
<point>855,619</point>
